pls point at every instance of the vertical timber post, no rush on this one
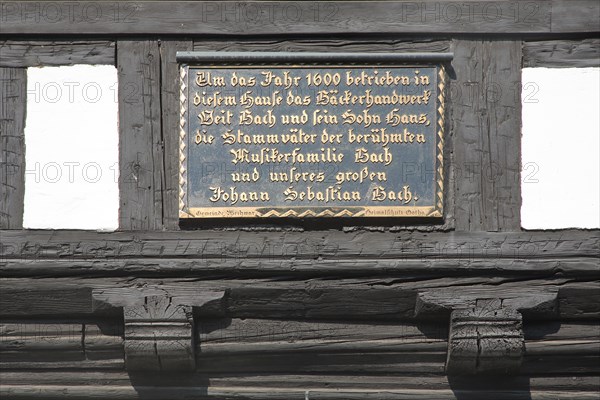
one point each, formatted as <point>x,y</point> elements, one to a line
<point>13,103</point>
<point>487,135</point>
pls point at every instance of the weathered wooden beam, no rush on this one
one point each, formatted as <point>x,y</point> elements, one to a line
<point>329,387</point>
<point>259,345</point>
<point>399,44</point>
<point>487,338</point>
<point>316,246</point>
<point>140,144</point>
<point>486,327</point>
<point>486,131</point>
<point>228,336</point>
<point>276,392</point>
<point>401,269</point>
<point>170,128</point>
<point>37,53</point>
<point>562,53</point>
<point>360,299</point>
<point>534,302</point>
<point>159,326</point>
<point>102,382</point>
<point>326,18</point>
<point>37,345</point>
<point>13,102</point>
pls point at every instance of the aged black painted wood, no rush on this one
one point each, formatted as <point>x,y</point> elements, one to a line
<point>35,345</point>
<point>325,18</point>
<point>397,43</point>
<point>562,53</point>
<point>140,145</point>
<point>118,386</point>
<point>486,131</point>
<point>228,344</point>
<point>487,338</point>
<point>315,246</point>
<point>37,53</point>
<point>361,298</point>
<point>281,57</point>
<point>13,101</point>
<point>574,267</point>
<point>158,326</point>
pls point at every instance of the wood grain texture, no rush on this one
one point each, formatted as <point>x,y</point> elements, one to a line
<point>158,336</point>
<point>292,346</point>
<point>359,299</point>
<point>158,326</point>
<point>323,391</point>
<point>400,44</point>
<point>170,128</point>
<point>562,53</point>
<point>325,18</point>
<point>316,246</point>
<point>140,145</point>
<point>38,53</point>
<point>486,131</point>
<point>13,103</point>
<point>404,268</point>
<point>485,339</point>
<point>37,345</point>
<point>97,380</point>
<point>537,302</point>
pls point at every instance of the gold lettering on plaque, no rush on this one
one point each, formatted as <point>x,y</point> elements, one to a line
<point>312,141</point>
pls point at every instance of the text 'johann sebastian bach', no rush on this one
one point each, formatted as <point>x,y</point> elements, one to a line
<point>311,140</point>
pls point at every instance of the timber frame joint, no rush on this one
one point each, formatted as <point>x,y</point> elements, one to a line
<point>159,332</point>
<point>486,329</point>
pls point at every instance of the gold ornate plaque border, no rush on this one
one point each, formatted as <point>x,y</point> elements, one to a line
<point>435,211</point>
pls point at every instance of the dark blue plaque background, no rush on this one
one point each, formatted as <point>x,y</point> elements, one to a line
<point>413,164</point>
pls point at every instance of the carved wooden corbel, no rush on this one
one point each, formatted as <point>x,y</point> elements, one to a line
<point>486,327</point>
<point>159,326</point>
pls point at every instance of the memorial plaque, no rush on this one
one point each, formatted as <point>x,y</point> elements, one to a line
<point>311,139</point>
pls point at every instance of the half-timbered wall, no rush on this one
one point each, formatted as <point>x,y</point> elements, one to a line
<point>469,307</point>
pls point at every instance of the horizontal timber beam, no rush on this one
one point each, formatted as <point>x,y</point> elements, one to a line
<point>364,299</point>
<point>217,57</point>
<point>38,53</point>
<point>273,17</point>
<point>288,244</point>
<point>562,53</point>
<point>297,387</point>
<point>574,267</point>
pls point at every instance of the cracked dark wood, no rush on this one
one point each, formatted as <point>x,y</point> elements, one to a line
<point>362,298</point>
<point>38,53</point>
<point>13,101</point>
<point>301,386</point>
<point>288,347</point>
<point>306,18</point>
<point>487,338</point>
<point>562,53</point>
<point>158,336</point>
<point>158,326</point>
<point>317,246</point>
<point>140,145</point>
<point>401,44</point>
<point>486,131</point>
<point>55,345</point>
